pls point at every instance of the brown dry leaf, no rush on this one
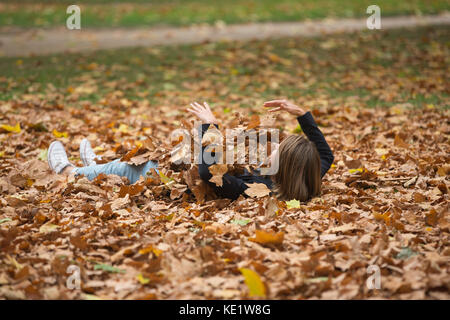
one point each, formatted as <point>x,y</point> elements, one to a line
<point>217,171</point>
<point>257,190</point>
<point>177,191</point>
<point>141,158</point>
<point>131,190</point>
<point>120,203</point>
<point>268,121</point>
<point>268,237</point>
<point>418,197</point>
<point>212,136</point>
<point>353,163</point>
<point>254,122</point>
<point>399,142</point>
<point>432,217</point>
<point>127,157</point>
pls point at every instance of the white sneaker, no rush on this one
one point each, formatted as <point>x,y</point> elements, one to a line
<point>57,157</point>
<point>87,155</point>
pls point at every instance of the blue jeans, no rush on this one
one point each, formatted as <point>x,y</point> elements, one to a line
<point>123,169</point>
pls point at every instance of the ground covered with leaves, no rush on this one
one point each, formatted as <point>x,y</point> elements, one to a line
<point>383,109</point>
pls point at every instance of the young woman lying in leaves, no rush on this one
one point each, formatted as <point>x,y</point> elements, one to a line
<point>303,161</point>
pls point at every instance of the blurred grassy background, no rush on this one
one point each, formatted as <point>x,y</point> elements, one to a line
<point>367,69</point>
<point>135,13</point>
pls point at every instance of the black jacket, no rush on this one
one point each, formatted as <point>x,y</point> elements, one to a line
<point>234,186</point>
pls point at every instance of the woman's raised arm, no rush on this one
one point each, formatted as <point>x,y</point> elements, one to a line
<point>232,187</point>
<point>309,127</point>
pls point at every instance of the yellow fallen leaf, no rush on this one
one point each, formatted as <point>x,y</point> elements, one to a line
<point>398,109</point>
<point>13,262</point>
<point>386,217</point>
<point>122,128</point>
<point>142,279</point>
<point>254,283</point>
<point>43,154</point>
<point>48,227</point>
<point>293,204</point>
<point>157,252</point>
<point>356,170</point>
<point>234,71</point>
<point>15,129</point>
<point>150,248</point>
<point>58,134</point>
<point>91,66</point>
<point>146,250</point>
<point>165,179</point>
<point>381,151</point>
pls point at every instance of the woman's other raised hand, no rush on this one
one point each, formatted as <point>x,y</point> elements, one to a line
<point>203,112</point>
<point>284,105</point>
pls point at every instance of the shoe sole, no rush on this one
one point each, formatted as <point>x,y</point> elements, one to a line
<point>50,149</point>
<point>83,146</point>
<point>49,152</point>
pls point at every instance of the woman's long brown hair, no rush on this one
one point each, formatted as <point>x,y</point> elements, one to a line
<point>298,175</point>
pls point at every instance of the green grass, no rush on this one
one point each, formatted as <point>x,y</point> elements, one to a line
<point>368,69</point>
<point>103,13</point>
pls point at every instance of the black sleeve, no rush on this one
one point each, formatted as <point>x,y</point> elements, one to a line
<point>232,186</point>
<point>314,134</point>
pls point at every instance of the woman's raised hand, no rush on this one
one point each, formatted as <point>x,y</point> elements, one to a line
<point>203,112</point>
<point>284,105</point>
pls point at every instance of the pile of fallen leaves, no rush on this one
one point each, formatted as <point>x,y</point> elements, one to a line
<point>384,203</point>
